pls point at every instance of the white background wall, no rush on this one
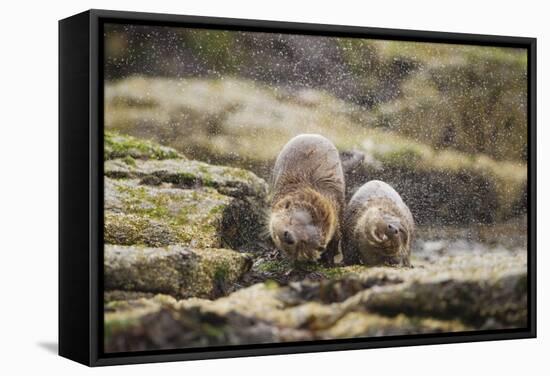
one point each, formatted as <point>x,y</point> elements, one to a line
<point>28,186</point>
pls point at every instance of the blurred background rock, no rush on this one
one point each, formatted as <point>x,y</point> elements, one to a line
<point>445,124</point>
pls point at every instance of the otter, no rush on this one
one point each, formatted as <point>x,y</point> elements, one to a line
<point>307,199</point>
<point>378,227</point>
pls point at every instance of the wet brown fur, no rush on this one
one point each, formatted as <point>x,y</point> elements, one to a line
<point>320,190</point>
<point>388,254</point>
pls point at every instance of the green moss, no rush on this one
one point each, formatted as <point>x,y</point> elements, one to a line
<point>122,146</point>
<point>213,331</point>
<point>208,180</point>
<point>129,160</point>
<point>404,157</point>
<point>217,48</point>
<point>239,173</point>
<point>192,216</point>
<point>114,326</point>
<point>271,284</point>
<point>278,267</point>
<point>186,178</point>
<point>133,102</point>
<point>274,266</point>
<point>217,209</point>
<point>221,274</point>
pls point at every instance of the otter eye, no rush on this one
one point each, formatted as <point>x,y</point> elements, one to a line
<point>287,205</point>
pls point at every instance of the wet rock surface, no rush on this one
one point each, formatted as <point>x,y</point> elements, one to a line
<point>174,270</point>
<point>187,264</point>
<point>466,292</point>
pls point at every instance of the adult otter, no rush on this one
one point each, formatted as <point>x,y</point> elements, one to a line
<point>378,227</point>
<point>307,199</point>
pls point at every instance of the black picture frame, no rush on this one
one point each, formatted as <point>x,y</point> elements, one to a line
<point>81,182</point>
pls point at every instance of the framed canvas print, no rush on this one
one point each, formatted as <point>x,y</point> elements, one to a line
<point>238,187</point>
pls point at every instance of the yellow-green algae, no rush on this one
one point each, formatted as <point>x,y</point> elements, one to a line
<point>174,270</point>
<point>187,217</point>
<point>127,147</point>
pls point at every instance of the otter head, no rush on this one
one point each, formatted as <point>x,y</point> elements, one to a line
<point>382,231</point>
<point>301,228</point>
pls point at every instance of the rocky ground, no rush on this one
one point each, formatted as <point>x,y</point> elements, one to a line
<point>188,264</point>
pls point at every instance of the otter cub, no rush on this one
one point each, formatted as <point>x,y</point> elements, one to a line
<point>379,227</point>
<point>307,199</point>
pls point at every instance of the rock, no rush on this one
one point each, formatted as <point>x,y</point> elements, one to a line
<point>156,325</point>
<point>129,148</point>
<point>192,204</point>
<point>182,173</point>
<point>123,297</point>
<point>495,302</point>
<point>358,324</point>
<point>221,121</point>
<point>178,201</point>
<point>158,216</point>
<point>471,99</point>
<point>130,229</point>
<point>167,219</point>
<point>463,292</point>
<point>476,288</point>
<point>173,270</point>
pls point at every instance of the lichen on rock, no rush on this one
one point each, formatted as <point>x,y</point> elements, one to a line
<point>173,270</point>
<point>128,148</point>
<point>460,295</point>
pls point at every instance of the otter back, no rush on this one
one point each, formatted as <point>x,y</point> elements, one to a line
<point>310,159</point>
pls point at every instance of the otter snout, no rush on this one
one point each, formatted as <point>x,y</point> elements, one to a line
<point>388,229</point>
<point>288,238</point>
<point>300,240</point>
<point>306,237</point>
<point>392,230</point>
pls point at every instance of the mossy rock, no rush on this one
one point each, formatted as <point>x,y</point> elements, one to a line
<point>485,303</point>
<point>359,324</point>
<point>473,99</point>
<point>123,298</point>
<point>465,291</point>
<point>181,173</point>
<point>173,270</point>
<point>130,229</point>
<point>166,328</point>
<point>280,270</point>
<point>162,215</point>
<point>159,216</point>
<point>129,148</point>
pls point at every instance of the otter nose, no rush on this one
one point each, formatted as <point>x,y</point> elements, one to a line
<point>392,229</point>
<point>288,238</point>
